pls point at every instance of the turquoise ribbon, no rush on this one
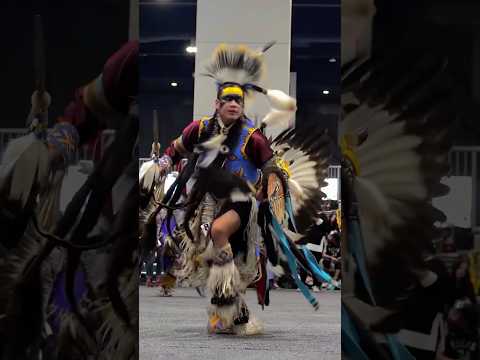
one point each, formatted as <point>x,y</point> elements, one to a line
<point>350,338</point>
<point>292,262</point>
<point>357,249</point>
<point>318,272</point>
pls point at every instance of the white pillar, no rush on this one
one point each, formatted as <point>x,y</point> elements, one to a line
<point>250,22</point>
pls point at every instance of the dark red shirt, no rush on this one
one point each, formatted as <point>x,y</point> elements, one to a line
<point>258,148</point>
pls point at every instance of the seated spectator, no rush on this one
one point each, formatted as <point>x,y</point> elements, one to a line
<point>331,256</point>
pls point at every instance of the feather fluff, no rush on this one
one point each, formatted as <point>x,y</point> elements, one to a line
<point>144,168</point>
<point>281,101</point>
<point>279,119</point>
<point>150,175</point>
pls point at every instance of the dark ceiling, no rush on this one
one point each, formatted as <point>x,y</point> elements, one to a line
<point>168,27</point>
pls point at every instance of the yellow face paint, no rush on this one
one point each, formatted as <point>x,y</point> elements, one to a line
<point>232,90</point>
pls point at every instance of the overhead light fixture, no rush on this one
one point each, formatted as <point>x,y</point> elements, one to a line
<point>332,60</point>
<point>174,84</point>
<point>326,92</point>
<point>191,49</point>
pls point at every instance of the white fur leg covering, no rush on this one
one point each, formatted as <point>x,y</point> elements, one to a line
<point>253,327</point>
<point>224,284</point>
<point>224,278</point>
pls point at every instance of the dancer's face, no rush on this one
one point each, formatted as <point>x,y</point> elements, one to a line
<point>229,108</point>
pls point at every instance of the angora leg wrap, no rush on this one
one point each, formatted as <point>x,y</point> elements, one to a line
<point>228,312</point>
<point>223,283</point>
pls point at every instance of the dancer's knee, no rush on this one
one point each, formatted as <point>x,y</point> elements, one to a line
<point>219,235</point>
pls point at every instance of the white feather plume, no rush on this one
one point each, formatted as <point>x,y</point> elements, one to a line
<point>281,101</point>
<point>150,174</point>
<point>277,118</point>
<point>144,168</point>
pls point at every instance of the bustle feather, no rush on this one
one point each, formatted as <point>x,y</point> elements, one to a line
<point>396,121</point>
<point>306,152</point>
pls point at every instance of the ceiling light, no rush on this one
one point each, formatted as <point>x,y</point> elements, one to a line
<point>174,84</point>
<point>326,92</point>
<point>191,49</point>
<point>332,60</point>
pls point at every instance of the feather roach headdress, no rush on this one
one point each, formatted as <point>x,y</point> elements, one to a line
<point>239,70</point>
<point>237,64</point>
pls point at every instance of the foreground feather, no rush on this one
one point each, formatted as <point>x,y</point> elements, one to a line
<point>25,169</point>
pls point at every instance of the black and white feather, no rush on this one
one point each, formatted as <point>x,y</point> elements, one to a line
<point>395,123</point>
<point>306,152</point>
<point>236,63</point>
